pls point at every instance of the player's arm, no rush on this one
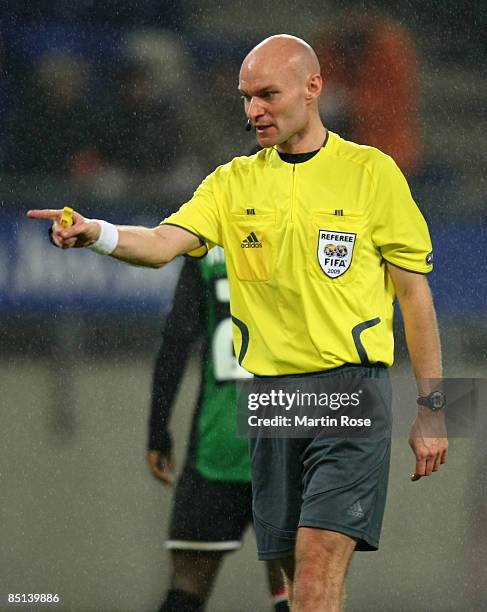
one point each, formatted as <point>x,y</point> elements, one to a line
<point>142,246</point>
<point>428,435</point>
<point>183,326</point>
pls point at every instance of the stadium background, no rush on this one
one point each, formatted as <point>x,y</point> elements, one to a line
<point>80,514</point>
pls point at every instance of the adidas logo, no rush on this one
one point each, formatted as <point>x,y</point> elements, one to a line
<point>251,242</point>
<point>356,510</point>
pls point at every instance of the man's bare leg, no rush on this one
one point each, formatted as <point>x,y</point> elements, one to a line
<point>316,582</point>
<point>195,571</point>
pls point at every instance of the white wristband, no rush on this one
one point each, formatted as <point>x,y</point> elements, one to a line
<point>108,240</point>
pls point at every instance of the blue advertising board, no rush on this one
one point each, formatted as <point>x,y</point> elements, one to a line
<point>36,277</point>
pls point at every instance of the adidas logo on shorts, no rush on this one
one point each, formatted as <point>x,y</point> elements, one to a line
<point>356,510</point>
<point>251,242</point>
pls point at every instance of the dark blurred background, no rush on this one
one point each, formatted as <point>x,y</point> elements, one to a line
<point>120,109</point>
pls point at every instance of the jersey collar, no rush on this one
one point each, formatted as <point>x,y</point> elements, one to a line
<point>299,158</point>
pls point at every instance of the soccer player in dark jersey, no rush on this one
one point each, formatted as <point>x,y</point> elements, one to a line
<point>213,498</point>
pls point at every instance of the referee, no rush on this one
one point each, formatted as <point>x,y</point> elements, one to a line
<point>320,235</point>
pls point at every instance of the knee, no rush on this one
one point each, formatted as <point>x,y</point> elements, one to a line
<point>194,572</point>
<point>319,550</point>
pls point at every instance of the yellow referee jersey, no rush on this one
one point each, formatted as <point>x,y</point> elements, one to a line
<point>306,246</point>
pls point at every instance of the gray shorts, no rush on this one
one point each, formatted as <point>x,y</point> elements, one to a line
<point>333,483</point>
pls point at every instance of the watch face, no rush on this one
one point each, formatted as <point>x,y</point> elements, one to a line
<point>437,399</point>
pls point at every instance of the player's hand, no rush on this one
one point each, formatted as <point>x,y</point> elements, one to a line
<point>429,443</point>
<point>82,233</point>
<point>162,466</point>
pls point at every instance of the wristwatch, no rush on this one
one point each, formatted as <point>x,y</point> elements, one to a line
<point>434,401</point>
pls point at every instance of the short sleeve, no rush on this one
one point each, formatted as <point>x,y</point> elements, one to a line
<point>399,230</point>
<point>200,216</point>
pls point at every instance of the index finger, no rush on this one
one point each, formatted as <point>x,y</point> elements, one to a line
<point>46,213</point>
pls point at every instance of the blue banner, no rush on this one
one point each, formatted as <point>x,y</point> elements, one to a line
<point>36,277</point>
<point>459,277</point>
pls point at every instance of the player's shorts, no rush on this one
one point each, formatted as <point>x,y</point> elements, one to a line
<point>333,483</point>
<point>209,515</point>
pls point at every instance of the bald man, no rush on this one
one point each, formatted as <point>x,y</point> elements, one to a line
<point>320,236</point>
